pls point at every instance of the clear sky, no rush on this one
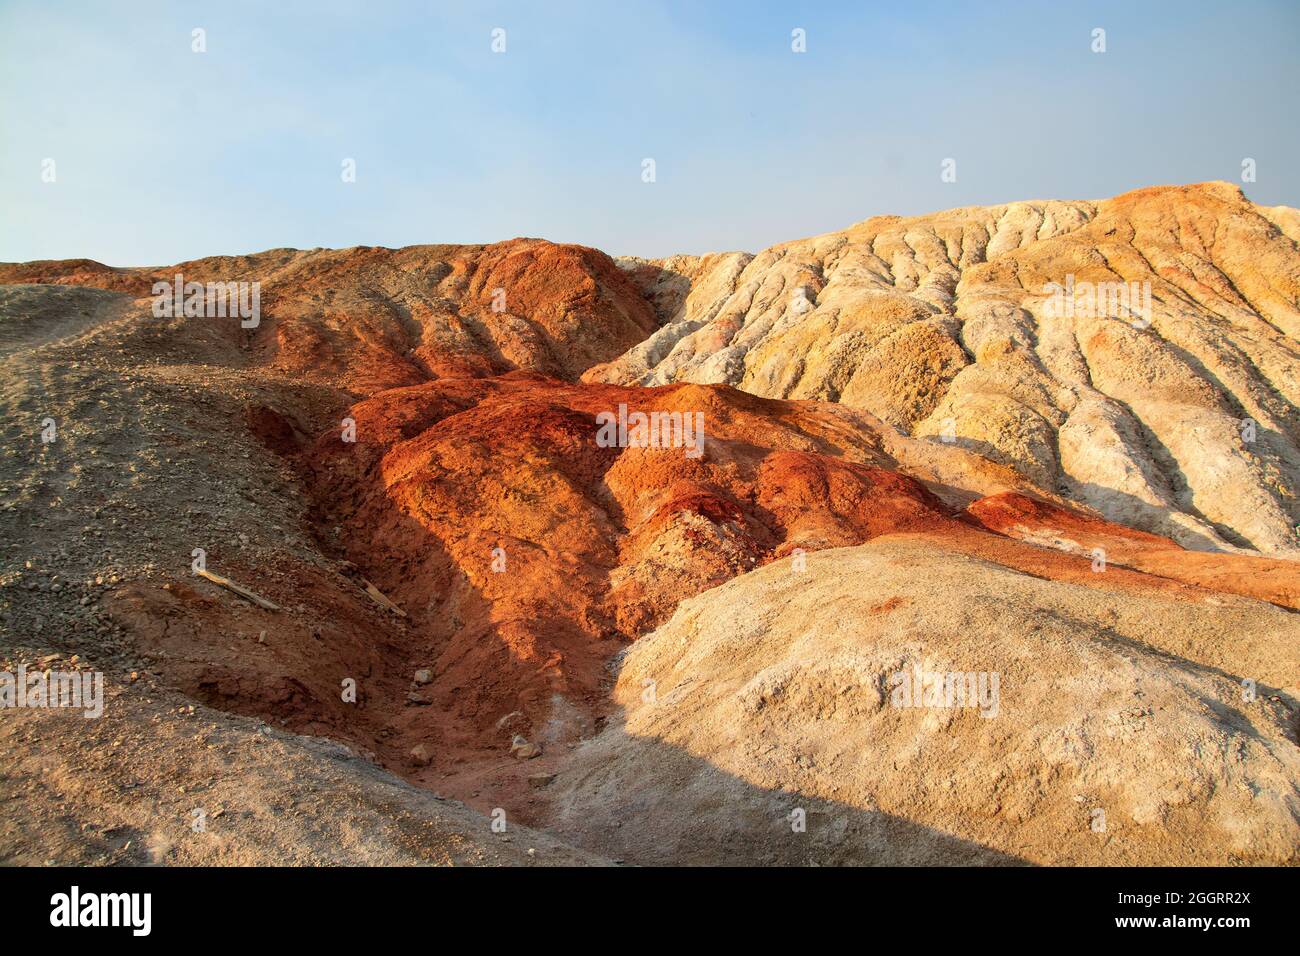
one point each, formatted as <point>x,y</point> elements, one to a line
<point>162,154</point>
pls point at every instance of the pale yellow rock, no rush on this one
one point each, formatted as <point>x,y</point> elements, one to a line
<point>941,326</point>
<point>1120,734</point>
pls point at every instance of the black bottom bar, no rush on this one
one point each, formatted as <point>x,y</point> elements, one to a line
<point>338,906</point>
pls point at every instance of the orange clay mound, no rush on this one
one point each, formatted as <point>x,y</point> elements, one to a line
<point>596,545</point>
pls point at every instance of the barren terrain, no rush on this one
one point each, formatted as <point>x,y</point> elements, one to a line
<point>469,610</point>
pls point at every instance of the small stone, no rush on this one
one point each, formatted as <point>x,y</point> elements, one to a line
<point>420,755</point>
<point>539,780</point>
<point>423,676</point>
<point>523,750</point>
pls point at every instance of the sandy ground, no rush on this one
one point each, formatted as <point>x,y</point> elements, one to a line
<point>160,781</point>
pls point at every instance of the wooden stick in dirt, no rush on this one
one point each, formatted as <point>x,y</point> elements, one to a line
<point>239,589</point>
<point>379,598</point>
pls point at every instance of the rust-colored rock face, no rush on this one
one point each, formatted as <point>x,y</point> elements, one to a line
<point>526,554</point>
<point>370,318</point>
<point>1038,522</point>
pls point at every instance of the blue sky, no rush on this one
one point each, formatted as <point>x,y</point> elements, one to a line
<point>162,154</point>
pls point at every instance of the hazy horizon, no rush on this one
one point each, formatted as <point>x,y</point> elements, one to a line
<point>613,253</point>
<point>162,154</point>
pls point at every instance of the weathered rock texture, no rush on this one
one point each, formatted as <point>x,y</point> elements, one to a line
<point>370,318</point>
<point>1122,732</point>
<point>475,560</point>
<point>526,555</point>
<point>940,326</point>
